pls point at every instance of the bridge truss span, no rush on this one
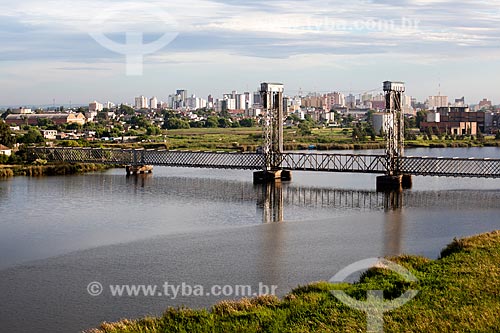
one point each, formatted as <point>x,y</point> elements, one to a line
<point>450,166</point>
<point>168,158</point>
<point>351,163</point>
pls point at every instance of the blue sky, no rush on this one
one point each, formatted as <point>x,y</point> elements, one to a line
<point>48,50</point>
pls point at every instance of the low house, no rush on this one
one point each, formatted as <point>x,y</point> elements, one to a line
<point>50,134</point>
<point>5,150</point>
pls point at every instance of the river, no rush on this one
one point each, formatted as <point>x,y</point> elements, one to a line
<point>210,227</point>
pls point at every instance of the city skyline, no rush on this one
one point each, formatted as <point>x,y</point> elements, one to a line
<point>215,46</point>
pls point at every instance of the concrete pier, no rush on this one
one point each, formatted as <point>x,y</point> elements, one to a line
<point>407,182</point>
<point>264,177</point>
<point>138,169</point>
<point>394,183</point>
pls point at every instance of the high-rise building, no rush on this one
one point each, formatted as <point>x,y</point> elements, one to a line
<point>95,106</point>
<point>460,101</point>
<point>240,101</point>
<point>180,99</point>
<point>141,102</point>
<point>485,104</point>
<point>153,103</point>
<point>439,101</point>
<point>351,101</point>
<point>257,99</point>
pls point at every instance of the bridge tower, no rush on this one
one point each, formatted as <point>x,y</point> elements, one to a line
<point>272,149</point>
<point>395,135</point>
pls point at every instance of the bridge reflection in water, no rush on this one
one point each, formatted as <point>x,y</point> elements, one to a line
<point>272,199</point>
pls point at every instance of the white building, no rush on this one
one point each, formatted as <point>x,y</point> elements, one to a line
<point>109,105</point>
<point>380,121</point>
<point>433,117</point>
<point>141,102</point>
<point>5,150</point>
<point>253,112</point>
<point>22,110</point>
<point>435,102</point>
<point>50,134</point>
<point>195,103</point>
<point>240,101</point>
<point>329,117</point>
<point>153,103</point>
<point>95,106</point>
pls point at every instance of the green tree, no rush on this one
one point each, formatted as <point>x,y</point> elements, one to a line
<point>124,109</point>
<point>33,136</point>
<point>176,123</point>
<point>195,124</point>
<point>212,122</point>
<point>224,123</point>
<point>153,130</point>
<point>421,117</point>
<point>6,137</point>
<point>480,135</point>
<point>305,128</point>
<point>140,121</point>
<point>248,122</point>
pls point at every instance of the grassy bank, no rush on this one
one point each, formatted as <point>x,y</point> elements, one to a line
<point>49,170</point>
<point>460,292</point>
<point>248,139</point>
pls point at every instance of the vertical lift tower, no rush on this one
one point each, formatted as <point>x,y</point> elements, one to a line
<point>272,101</point>
<point>395,134</point>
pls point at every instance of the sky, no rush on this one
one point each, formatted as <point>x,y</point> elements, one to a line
<point>113,50</point>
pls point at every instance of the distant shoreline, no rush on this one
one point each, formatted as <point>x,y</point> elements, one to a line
<point>59,169</point>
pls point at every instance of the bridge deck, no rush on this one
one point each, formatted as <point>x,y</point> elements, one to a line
<point>351,163</point>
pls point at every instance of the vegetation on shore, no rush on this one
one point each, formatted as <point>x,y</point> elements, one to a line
<point>459,292</point>
<point>249,139</point>
<point>58,169</point>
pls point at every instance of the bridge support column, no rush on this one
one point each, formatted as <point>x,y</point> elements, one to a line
<point>407,182</point>
<point>389,183</point>
<point>394,183</point>
<point>264,177</point>
<point>138,169</point>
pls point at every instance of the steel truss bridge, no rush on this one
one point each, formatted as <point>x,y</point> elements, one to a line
<point>349,163</point>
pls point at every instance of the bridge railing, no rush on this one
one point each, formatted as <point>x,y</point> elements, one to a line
<point>202,159</point>
<point>85,155</point>
<point>353,163</point>
<point>172,158</point>
<point>450,167</point>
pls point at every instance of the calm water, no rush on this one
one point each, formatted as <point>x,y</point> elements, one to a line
<point>210,227</point>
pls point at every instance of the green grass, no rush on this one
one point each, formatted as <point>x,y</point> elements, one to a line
<point>248,139</point>
<point>460,292</point>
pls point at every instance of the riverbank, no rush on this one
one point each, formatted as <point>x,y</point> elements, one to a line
<point>459,292</point>
<point>58,169</point>
<point>249,139</point>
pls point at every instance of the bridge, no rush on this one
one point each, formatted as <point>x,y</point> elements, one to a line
<point>350,163</point>
<point>275,164</point>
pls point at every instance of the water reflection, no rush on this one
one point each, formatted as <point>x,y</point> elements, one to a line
<point>271,202</point>
<point>139,180</point>
<point>394,223</point>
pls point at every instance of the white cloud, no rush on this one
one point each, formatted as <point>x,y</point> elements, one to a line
<point>337,34</point>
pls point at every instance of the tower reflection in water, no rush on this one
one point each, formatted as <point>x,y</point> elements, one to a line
<point>394,223</point>
<point>272,198</point>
